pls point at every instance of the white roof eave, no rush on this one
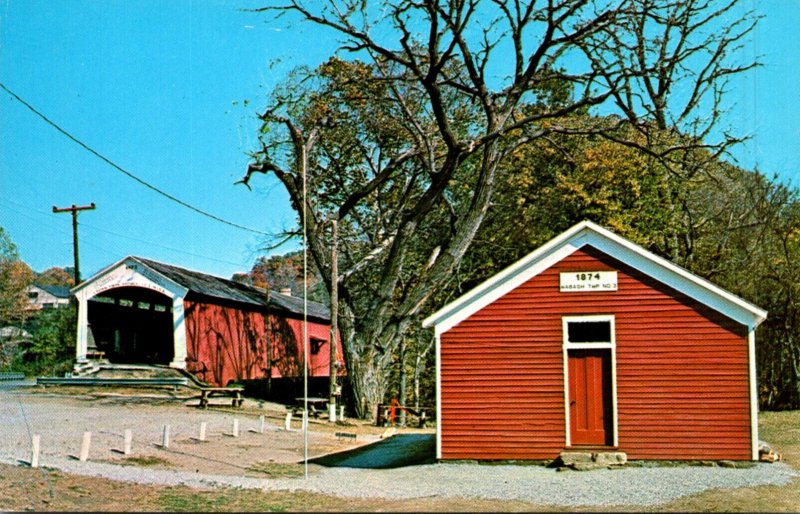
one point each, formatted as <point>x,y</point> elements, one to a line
<point>588,233</point>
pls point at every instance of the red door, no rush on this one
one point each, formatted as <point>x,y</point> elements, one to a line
<point>590,397</point>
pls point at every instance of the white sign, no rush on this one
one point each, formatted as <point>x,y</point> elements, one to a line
<point>588,281</point>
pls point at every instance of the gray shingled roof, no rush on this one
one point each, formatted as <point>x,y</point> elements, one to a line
<point>216,287</point>
<point>57,291</point>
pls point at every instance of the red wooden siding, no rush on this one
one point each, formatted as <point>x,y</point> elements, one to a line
<point>681,371</point>
<point>226,343</point>
<point>286,335</point>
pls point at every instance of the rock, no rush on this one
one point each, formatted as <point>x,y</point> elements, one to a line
<point>608,458</point>
<point>584,460</point>
<point>572,457</point>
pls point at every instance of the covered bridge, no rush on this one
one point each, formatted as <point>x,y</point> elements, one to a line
<point>142,311</point>
<point>592,342</point>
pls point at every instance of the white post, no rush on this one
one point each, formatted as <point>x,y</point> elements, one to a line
<point>178,334</point>
<point>203,426</point>
<point>305,420</point>
<point>287,424</point>
<point>261,424</point>
<point>85,444</point>
<point>126,447</point>
<point>82,342</point>
<point>165,437</point>
<point>35,440</point>
<point>341,412</point>
<point>235,431</point>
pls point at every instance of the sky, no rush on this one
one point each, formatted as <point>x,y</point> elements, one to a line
<point>169,92</point>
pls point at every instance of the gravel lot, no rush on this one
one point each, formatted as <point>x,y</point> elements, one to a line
<point>61,421</point>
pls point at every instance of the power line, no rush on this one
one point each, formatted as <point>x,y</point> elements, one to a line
<point>124,171</point>
<point>51,226</point>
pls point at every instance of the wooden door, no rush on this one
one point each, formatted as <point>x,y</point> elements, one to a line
<point>590,397</point>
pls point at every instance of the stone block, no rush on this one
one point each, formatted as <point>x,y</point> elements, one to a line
<point>609,458</point>
<point>572,457</point>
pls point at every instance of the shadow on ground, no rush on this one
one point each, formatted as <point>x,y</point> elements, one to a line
<point>395,452</point>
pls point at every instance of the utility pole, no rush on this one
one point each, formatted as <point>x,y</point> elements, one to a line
<point>334,324</point>
<point>74,210</point>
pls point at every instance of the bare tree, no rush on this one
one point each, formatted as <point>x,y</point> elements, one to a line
<point>402,142</point>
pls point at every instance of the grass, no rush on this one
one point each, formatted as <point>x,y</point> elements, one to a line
<point>276,469</point>
<point>148,460</point>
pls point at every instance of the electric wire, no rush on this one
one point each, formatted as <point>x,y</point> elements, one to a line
<point>111,232</point>
<point>123,170</point>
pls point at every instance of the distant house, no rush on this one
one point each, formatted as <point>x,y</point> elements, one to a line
<point>591,342</point>
<point>47,297</point>
<point>142,311</point>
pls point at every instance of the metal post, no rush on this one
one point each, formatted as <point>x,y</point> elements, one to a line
<point>334,322</point>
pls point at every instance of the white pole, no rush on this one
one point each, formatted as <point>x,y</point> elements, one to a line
<point>261,424</point>
<point>203,426</point>
<point>85,444</point>
<point>165,437</point>
<point>126,447</point>
<point>305,320</point>
<point>287,423</point>
<point>35,440</point>
<point>235,431</point>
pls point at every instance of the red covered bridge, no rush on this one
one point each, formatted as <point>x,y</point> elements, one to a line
<point>142,311</point>
<point>592,342</point>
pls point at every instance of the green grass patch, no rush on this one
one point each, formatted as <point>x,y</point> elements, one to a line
<point>148,460</point>
<point>276,470</point>
<point>184,499</point>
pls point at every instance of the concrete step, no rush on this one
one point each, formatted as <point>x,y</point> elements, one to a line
<point>82,369</point>
<point>584,460</point>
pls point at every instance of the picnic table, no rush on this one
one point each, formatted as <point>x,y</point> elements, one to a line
<point>316,405</point>
<point>208,392</point>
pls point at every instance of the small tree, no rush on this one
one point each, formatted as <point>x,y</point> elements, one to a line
<point>52,347</point>
<point>15,277</point>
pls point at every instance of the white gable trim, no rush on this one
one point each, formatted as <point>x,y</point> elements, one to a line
<point>588,233</point>
<point>129,272</point>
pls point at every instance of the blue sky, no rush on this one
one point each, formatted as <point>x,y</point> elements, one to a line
<point>159,87</point>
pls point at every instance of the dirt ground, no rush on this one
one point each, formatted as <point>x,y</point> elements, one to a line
<point>43,489</point>
<point>146,411</point>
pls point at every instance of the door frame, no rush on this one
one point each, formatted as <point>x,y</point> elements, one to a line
<point>611,346</point>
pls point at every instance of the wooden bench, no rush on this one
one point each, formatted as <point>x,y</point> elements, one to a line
<point>208,392</point>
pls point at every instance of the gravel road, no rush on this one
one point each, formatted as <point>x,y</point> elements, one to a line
<point>628,487</point>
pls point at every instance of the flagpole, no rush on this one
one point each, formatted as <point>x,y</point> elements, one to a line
<point>305,326</point>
